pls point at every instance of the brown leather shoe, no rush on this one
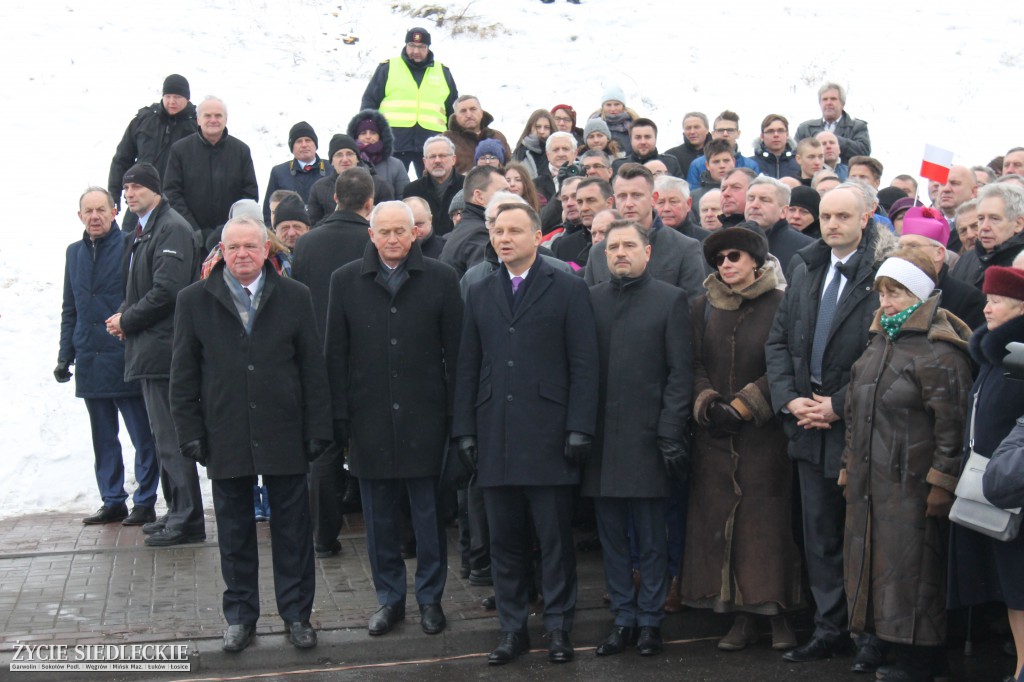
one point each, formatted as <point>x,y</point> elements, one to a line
<point>742,633</point>
<point>673,600</point>
<point>783,638</point>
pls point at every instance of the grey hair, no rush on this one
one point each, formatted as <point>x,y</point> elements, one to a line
<point>782,191</point>
<point>213,98</point>
<point>833,86</point>
<point>419,201</point>
<point>862,191</point>
<point>989,173</point>
<point>668,183</point>
<point>101,190</point>
<point>503,197</point>
<point>823,174</point>
<point>404,207</point>
<point>1012,196</point>
<point>966,207</point>
<point>245,219</point>
<point>697,114</point>
<point>596,154</point>
<point>561,134</point>
<point>438,138</point>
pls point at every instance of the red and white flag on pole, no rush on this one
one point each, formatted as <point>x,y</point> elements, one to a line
<point>936,164</point>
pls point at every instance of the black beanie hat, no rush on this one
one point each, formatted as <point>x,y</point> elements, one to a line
<point>301,129</point>
<point>746,236</point>
<point>806,198</point>
<point>417,35</point>
<point>340,141</point>
<point>290,208</point>
<point>176,85</point>
<point>144,174</point>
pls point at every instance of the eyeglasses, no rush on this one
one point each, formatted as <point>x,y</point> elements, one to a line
<point>732,256</point>
<point>417,46</point>
<point>724,131</point>
<point>563,119</point>
<point>487,157</point>
<point>594,166</point>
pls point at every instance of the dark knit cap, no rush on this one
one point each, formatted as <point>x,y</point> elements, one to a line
<point>340,141</point>
<point>489,146</point>
<point>367,124</point>
<point>144,174</point>
<point>417,35</point>
<point>176,85</point>
<point>805,198</point>
<point>1000,281</point>
<point>887,196</point>
<point>301,129</point>
<point>746,237</point>
<point>290,208</point>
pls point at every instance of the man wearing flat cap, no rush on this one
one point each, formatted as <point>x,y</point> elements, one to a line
<point>300,173</point>
<point>149,136</point>
<point>416,93</point>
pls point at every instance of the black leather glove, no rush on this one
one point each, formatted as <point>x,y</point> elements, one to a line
<point>315,447</point>
<point>676,458</point>
<point>723,419</point>
<point>466,445</point>
<point>568,170</point>
<point>195,450</point>
<point>62,374</point>
<point>577,448</point>
<point>341,433</point>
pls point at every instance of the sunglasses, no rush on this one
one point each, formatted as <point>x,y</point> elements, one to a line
<point>732,256</point>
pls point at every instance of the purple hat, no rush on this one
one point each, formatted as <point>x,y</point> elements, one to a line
<point>489,146</point>
<point>927,222</point>
<point>367,124</point>
<point>901,205</point>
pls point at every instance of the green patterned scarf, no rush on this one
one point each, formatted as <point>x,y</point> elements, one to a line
<point>893,325</point>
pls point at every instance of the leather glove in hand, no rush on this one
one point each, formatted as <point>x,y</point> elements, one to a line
<point>940,501</point>
<point>676,458</point>
<point>315,447</point>
<point>723,419</point>
<point>466,446</point>
<point>196,451</point>
<point>577,448</point>
<point>61,373</point>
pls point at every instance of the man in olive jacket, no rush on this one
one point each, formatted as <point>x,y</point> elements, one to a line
<point>393,325</point>
<point>249,397</point>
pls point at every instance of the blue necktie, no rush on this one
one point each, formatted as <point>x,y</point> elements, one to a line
<point>248,295</point>
<point>827,311</point>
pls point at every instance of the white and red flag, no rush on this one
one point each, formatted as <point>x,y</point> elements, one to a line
<point>936,164</point>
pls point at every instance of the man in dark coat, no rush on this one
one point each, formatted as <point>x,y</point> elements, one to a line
<point>163,261</point>
<point>645,345</point>
<point>209,171</point>
<point>149,137</point>
<point>819,331</point>
<point>430,244</point>
<point>1000,233</point>
<point>643,136</point>
<point>766,204</point>
<point>852,133</point>
<point>526,400</point>
<point>774,151</point>
<point>343,154</point>
<point>675,258</point>
<point>675,207</point>
<point>590,196</point>
<point>301,172</point>
<point>696,134</point>
<point>464,247</point>
<point>439,184</point>
<point>93,291</point>
<point>249,397</point>
<point>468,127</point>
<point>416,93</point>
<point>392,344</point>
<point>340,239</point>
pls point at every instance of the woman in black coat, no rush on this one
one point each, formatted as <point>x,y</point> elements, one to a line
<point>983,569</point>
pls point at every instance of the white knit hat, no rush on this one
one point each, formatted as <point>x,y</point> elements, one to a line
<point>909,275</point>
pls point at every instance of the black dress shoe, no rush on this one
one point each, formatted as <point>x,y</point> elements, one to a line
<point>868,658</point>
<point>385,618</point>
<point>140,516</point>
<point>617,640</point>
<point>559,647</point>
<point>650,643</point>
<point>816,649</point>
<point>173,536</point>
<point>509,647</point>
<point>302,635</point>
<point>111,514</point>
<point>237,637</point>
<point>432,618</point>
<point>464,571</point>
<point>481,577</point>
<point>489,603</point>
<point>155,526</point>
<point>327,551</point>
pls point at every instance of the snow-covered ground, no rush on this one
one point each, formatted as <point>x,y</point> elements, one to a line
<point>74,73</point>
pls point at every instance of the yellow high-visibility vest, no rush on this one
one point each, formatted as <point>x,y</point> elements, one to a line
<point>405,104</point>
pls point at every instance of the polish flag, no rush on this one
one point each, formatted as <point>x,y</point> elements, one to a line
<point>936,164</point>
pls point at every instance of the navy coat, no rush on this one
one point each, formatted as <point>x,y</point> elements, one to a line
<point>93,291</point>
<point>290,175</point>
<point>527,377</point>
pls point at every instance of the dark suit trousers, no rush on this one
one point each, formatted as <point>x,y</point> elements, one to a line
<point>824,513</point>
<point>382,514</point>
<point>509,509</point>
<point>615,515</point>
<point>291,543</point>
<point>179,479</point>
<point>324,502</point>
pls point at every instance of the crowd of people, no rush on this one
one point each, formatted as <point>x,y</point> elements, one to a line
<point>759,375</point>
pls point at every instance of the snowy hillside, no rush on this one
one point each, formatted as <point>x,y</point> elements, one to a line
<point>74,73</point>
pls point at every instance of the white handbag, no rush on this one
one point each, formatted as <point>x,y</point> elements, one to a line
<point>971,509</point>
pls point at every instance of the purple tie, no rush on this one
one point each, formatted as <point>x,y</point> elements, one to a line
<point>516,282</point>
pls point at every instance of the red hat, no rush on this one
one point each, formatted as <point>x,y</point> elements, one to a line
<point>1000,281</point>
<point>927,222</point>
<point>568,109</point>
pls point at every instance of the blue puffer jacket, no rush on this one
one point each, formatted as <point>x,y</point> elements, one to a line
<point>93,291</point>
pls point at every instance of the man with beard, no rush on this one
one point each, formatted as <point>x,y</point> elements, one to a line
<point>439,184</point>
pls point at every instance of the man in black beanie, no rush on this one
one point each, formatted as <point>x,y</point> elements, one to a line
<point>414,76</point>
<point>150,134</point>
<point>301,172</point>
